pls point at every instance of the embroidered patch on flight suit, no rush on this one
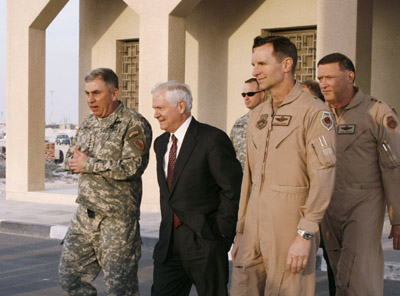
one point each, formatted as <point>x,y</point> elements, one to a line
<point>262,122</point>
<point>326,120</point>
<point>344,129</point>
<point>282,120</point>
<point>391,123</point>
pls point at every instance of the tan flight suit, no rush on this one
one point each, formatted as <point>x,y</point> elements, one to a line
<point>367,179</point>
<point>287,184</point>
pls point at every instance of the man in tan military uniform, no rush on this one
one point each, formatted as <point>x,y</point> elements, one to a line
<point>110,152</point>
<point>253,96</point>
<point>287,183</point>
<point>367,180</point>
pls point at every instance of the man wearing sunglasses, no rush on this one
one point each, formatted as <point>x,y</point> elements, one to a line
<point>253,97</point>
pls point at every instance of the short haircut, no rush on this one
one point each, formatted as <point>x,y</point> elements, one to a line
<point>253,80</point>
<point>283,48</point>
<point>107,75</point>
<point>175,91</point>
<point>344,62</point>
<point>314,88</point>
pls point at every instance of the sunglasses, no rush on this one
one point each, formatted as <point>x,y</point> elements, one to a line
<point>250,93</point>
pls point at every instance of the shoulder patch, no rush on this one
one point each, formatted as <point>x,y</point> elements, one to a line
<point>326,120</point>
<point>136,139</point>
<point>391,122</point>
<point>139,144</point>
<point>134,133</point>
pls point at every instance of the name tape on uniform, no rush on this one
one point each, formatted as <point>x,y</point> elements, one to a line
<point>344,129</point>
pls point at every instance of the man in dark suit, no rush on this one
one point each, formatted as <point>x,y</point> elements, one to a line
<point>199,178</point>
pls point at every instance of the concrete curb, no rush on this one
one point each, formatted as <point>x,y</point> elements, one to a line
<point>392,269</point>
<point>14,227</point>
<point>49,231</point>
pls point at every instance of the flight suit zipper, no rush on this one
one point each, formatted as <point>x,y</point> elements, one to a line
<point>269,127</point>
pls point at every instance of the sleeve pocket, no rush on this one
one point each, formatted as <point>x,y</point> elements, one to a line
<point>387,157</point>
<point>324,152</point>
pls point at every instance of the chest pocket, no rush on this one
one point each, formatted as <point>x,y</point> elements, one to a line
<point>259,137</point>
<point>361,138</point>
<point>285,136</point>
<point>108,143</point>
<point>323,151</point>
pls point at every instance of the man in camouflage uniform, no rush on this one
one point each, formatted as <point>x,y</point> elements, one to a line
<point>110,152</point>
<point>253,96</point>
<point>367,180</point>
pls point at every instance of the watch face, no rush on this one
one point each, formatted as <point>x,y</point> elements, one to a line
<point>307,236</point>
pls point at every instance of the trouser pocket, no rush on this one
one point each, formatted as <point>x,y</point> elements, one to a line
<point>345,269</point>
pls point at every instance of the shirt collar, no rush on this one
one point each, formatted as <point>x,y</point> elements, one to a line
<point>181,131</point>
<point>356,100</point>
<point>293,95</point>
<point>110,119</point>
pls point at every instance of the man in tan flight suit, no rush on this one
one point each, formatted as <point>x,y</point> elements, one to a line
<point>288,180</point>
<point>367,180</point>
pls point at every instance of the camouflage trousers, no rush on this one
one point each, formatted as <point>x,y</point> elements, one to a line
<point>100,242</point>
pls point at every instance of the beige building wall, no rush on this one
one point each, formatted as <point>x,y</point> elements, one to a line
<point>219,38</point>
<point>98,38</point>
<point>385,52</point>
<point>367,32</point>
<point>207,43</point>
<point>268,16</point>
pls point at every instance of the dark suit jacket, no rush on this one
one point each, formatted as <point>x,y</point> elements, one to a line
<point>205,187</point>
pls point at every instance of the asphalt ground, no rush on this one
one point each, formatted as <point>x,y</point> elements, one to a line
<point>35,229</point>
<point>28,266</point>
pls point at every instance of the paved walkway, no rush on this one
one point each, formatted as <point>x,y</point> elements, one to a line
<point>51,221</point>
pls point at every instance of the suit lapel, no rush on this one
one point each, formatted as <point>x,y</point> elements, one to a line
<point>160,152</point>
<point>189,142</point>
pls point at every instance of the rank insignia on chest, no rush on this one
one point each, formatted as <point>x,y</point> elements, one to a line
<point>326,120</point>
<point>282,120</point>
<point>262,122</point>
<point>346,129</point>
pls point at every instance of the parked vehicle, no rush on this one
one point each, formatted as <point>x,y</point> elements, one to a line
<point>63,139</point>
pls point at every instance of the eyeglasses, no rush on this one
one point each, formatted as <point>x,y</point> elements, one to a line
<point>250,93</point>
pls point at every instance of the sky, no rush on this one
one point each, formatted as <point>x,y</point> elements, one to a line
<point>62,65</point>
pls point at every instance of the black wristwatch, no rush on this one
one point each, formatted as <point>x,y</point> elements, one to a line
<point>307,235</point>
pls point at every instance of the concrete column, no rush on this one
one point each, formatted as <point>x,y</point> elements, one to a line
<point>26,93</point>
<point>363,62</point>
<point>345,26</point>
<point>162,57</point>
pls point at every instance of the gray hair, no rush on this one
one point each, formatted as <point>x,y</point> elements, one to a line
<point>175,92</point>
<point>107,75</point>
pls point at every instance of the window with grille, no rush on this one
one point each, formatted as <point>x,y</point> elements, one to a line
<point>305,40</point>
<point>128,72</point>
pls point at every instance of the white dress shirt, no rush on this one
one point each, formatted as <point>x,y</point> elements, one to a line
<point>180,135</point>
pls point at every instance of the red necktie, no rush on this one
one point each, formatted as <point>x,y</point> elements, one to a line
<point>170,173</point>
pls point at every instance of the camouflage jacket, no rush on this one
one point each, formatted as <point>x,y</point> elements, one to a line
<point>118,153</point>
<point>238,138</point>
